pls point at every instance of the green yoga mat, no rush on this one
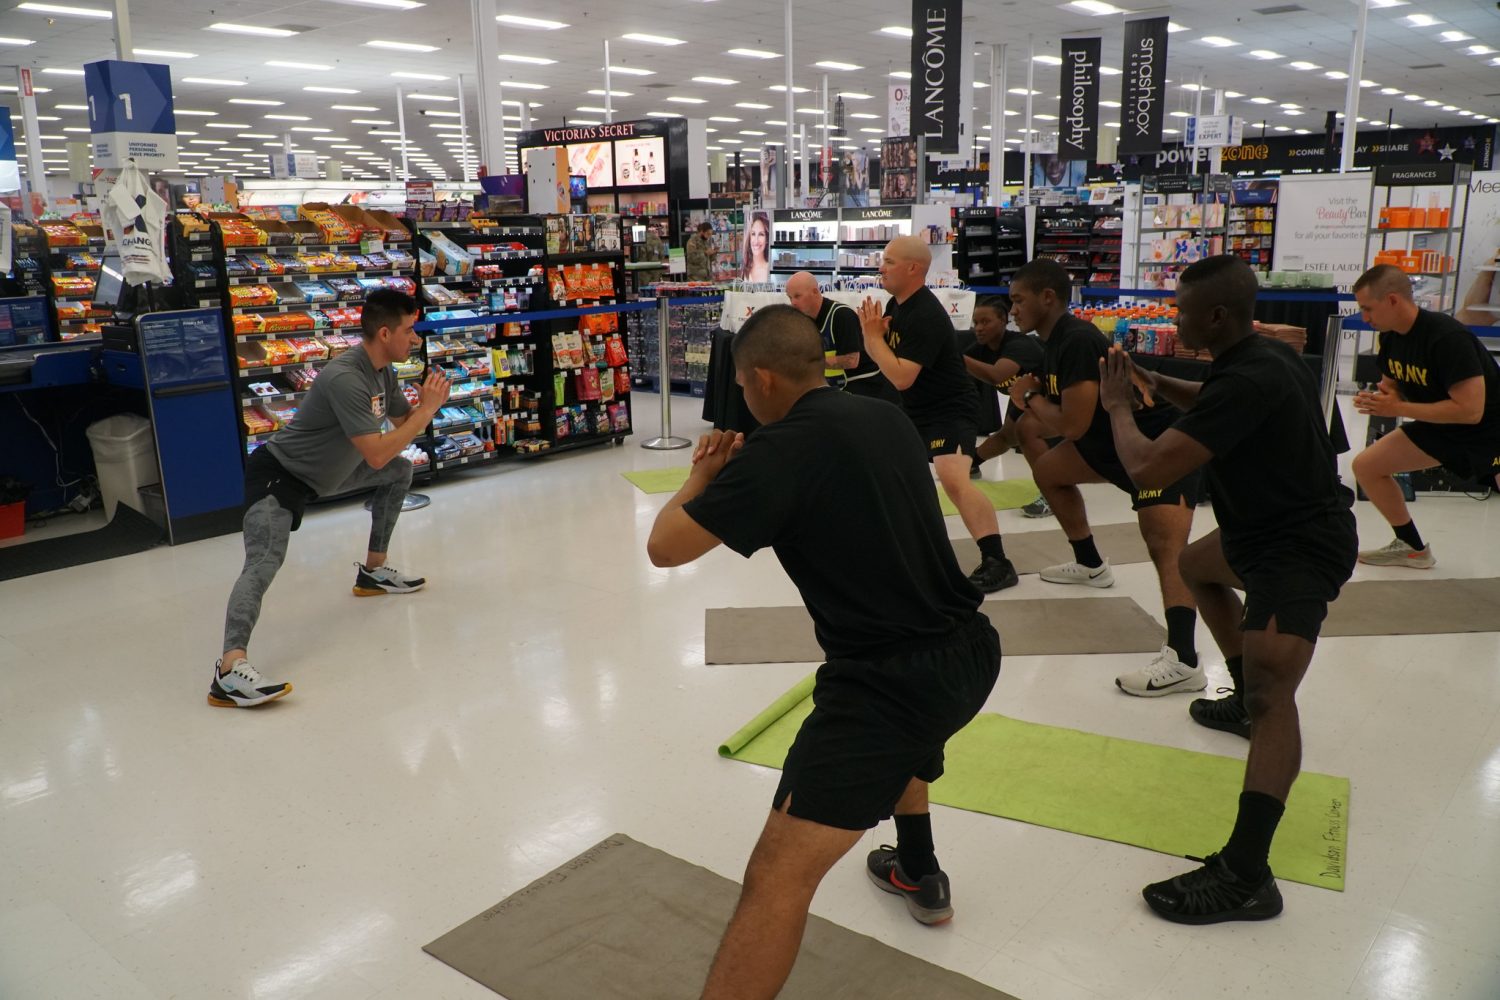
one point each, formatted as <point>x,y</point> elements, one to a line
<point>1177,802</point>
<point>1008,494</point>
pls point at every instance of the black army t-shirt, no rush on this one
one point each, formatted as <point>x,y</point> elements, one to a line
<point>1022,348</point>
<point>1071,355</point>
<point>854,466</point>
<point>1436,354</point>
<point>922,332</point>
<point>842,335</point>
<point>1274,465</point>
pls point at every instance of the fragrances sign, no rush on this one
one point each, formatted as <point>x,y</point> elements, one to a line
<point>1145,82</point>
<point>1078,97</point>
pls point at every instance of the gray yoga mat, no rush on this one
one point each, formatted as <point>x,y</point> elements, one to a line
<point>1034,551</point>
<point>624,921</point>
<point>1415,607</point>
<point>1034,627</point>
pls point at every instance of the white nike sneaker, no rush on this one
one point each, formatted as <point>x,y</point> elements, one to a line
<point>1164,675</point>
<point>1088,576</point>
<point>243,687</point>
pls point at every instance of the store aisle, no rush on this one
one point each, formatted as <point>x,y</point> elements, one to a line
<point>548,688</point>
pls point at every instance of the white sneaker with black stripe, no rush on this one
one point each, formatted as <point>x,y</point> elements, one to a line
<point>1164,675</point>
<point>242,686</point>
<point>1076,573</point>
<point>384,580</point>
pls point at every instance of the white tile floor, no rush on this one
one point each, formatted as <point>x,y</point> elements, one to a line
<point>548,688</point>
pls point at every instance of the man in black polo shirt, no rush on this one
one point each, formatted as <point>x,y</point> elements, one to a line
<point>910,659</point>
<point>1285,537</point>
<point>1065,435</point>
<point>1437,373</point>
<point>846,366</point>
<point>913,342</point>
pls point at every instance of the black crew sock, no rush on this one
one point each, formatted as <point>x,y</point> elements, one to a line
<point>991,547</point>
<point>1085,554</point>
<point>1249,846</point>
<point>914,845</point>
<point>1181,623</point>
<point>1236,665</point>
<point>1408,533</point>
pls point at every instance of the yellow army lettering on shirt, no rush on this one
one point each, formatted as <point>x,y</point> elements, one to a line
<point>1402,372</point>
<point>1496,463</point>
<point>893,339</point>
<point>1052,386</point>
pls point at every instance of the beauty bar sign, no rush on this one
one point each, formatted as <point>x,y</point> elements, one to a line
<point>938,70</point>
<point>1078,97</point>
<point>1145,86</point>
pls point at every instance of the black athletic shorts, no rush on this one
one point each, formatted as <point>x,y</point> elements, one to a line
<point>878,723</point>
<point>951,437</point>
<point>1461,449</point>
<point>1104,460</point>
<point>265,477</point>
<point>1293,578</point>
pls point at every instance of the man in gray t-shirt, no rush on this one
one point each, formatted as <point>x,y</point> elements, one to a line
<point>337,443</point>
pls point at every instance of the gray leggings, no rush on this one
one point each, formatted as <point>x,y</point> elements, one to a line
<point>268,528</point>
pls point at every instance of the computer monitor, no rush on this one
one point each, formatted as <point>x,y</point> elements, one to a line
<point>578,187</point>
<point>111,283</point>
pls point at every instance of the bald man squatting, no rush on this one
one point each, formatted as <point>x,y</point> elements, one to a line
<point>912,341</point>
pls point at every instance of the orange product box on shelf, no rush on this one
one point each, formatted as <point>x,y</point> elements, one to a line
<point>64,234</point>
<point>334,227</point>
<point>238,231</point>
<point>241,296</point>
<point>291,322</point>
<point>249,323</point>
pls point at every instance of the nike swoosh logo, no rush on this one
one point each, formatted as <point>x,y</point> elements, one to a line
<point>1153,686</point>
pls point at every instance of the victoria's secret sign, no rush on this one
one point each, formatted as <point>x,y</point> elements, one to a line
<point>592,133</point>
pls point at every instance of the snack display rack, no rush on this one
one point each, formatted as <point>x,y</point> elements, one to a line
<point>64,256</point>
<point>1416,222</point>
<point>526,387</point>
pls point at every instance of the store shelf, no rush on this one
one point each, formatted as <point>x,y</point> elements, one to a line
<point>472,352</point>
<point>75,272</point>
<point>1416,229</point>
<point>255,398</point>
<point>574,442</point>
<point>515,255</point>
<point>278,248</point>
<point>266,279</point>
<point>583,257</point>
<point>452,463</point>
<point>253,373</point>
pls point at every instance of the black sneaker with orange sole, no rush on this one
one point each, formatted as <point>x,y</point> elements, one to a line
<point>927,898</point>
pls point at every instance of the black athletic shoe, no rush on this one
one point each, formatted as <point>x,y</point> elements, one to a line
<point>927,898</point>
<point>1212,894</point>
<point>994,574</point>
<point>974,472</point>
<point>1224,714</point>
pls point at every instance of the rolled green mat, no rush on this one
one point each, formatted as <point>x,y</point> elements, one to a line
<point>799,693</point>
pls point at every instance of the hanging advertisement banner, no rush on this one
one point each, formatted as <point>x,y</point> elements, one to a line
<point>1478,282</point>
<point>1320,225</point>
<point>898,109</point>
<point>770,176</point>
<point>1209,131</point>
<point>1078,100</point>
<point>1145,83</point>
<point>10,171</point>
<point>939,71</point>
<point>1461,144</point>
<point>130,114</point>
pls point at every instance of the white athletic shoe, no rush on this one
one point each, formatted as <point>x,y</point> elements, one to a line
<point>385,580</point>
<point>1164,675</point>
<point>1088,576</point>
<point>243,687</point>
<point>1398,553</point>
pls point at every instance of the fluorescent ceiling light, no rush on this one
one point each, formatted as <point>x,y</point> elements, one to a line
<point>1192,86</point>
<point>1217,41</point>
<point>284,118</point>
<point>895,31</point>
<point>430,114</point>
<point>1461,114</point>
<point>394,4</point>
<point>1378,4</point>
<point>430,97</point>
<point>1454,36</point>
<point>585,121</point>
<point>354,107</point>
<point>529,60</point>
<point>228,125</point>
<point>853,95</point>
<point>1109,104</point>
<point>835,64</point>
<point>1336,74</point>
<point>750,131</point>
<point>1095,7</point>
<point>1303,66</point>
<point>662,114</point>
<point>1264,54</point>
<point>686,100</point>
<point>1480,50</point>
<point>329,90</point>
<point>637,36</point>
<point>257,101</point>
<point>162,53</point>
<point>522,21</point>
<point>1053,118</point>
<point>405,75</point>
<point>632,71</point>
<point>66,11</point>
<point>1173,28</point>
<point>1413,97</point>
<point>1261,100</point>
<point>752,105</point>
<point>781,88</point>
<point>809,111</point>
<point>520,86</point>
<point>754,53</point>
<point>1280,128</point>
<point>281,64</point>
<point>592,109</point>
<point>1170,131</point>
<point>213,81</point>
<point>1291,107</point>
<point>196,114</point>
<point>380,43</point>
<point>736,142</point>
<point>1047,60</point>
<point>250,29</point>
<point>80,128</point>
<point>1233,94</point>
<point>874,131</point>
<point>310,128</point>
<point>1293,113</point>
<point>76,107</point>
<point>723,118</point>
<point>1421,20</point>
<point>255,135</point>
<point>1110,71</point>
<point>718,81</point>
<point>1368,83</point>
<point>63,72</point>
<point>1022,92</point>
<point>612,93</point>
<point>863,115</point>
<point>1431,104</point>
<point>1174,114</point>
<point>1450,107</point>
<point>1389,91</point>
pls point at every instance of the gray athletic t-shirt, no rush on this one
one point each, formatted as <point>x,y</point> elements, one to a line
<point>348,399</point>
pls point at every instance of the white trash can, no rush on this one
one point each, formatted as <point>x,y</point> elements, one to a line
<point>124,459</point>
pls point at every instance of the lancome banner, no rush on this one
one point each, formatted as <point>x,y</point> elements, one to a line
<point>939,66</point>
<point>1078,100</point>
<point>1145,86</point>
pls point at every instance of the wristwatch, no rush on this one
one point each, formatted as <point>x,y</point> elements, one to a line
<point>1026,398</point>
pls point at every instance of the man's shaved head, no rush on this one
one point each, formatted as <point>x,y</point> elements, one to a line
<point>909,249</point>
